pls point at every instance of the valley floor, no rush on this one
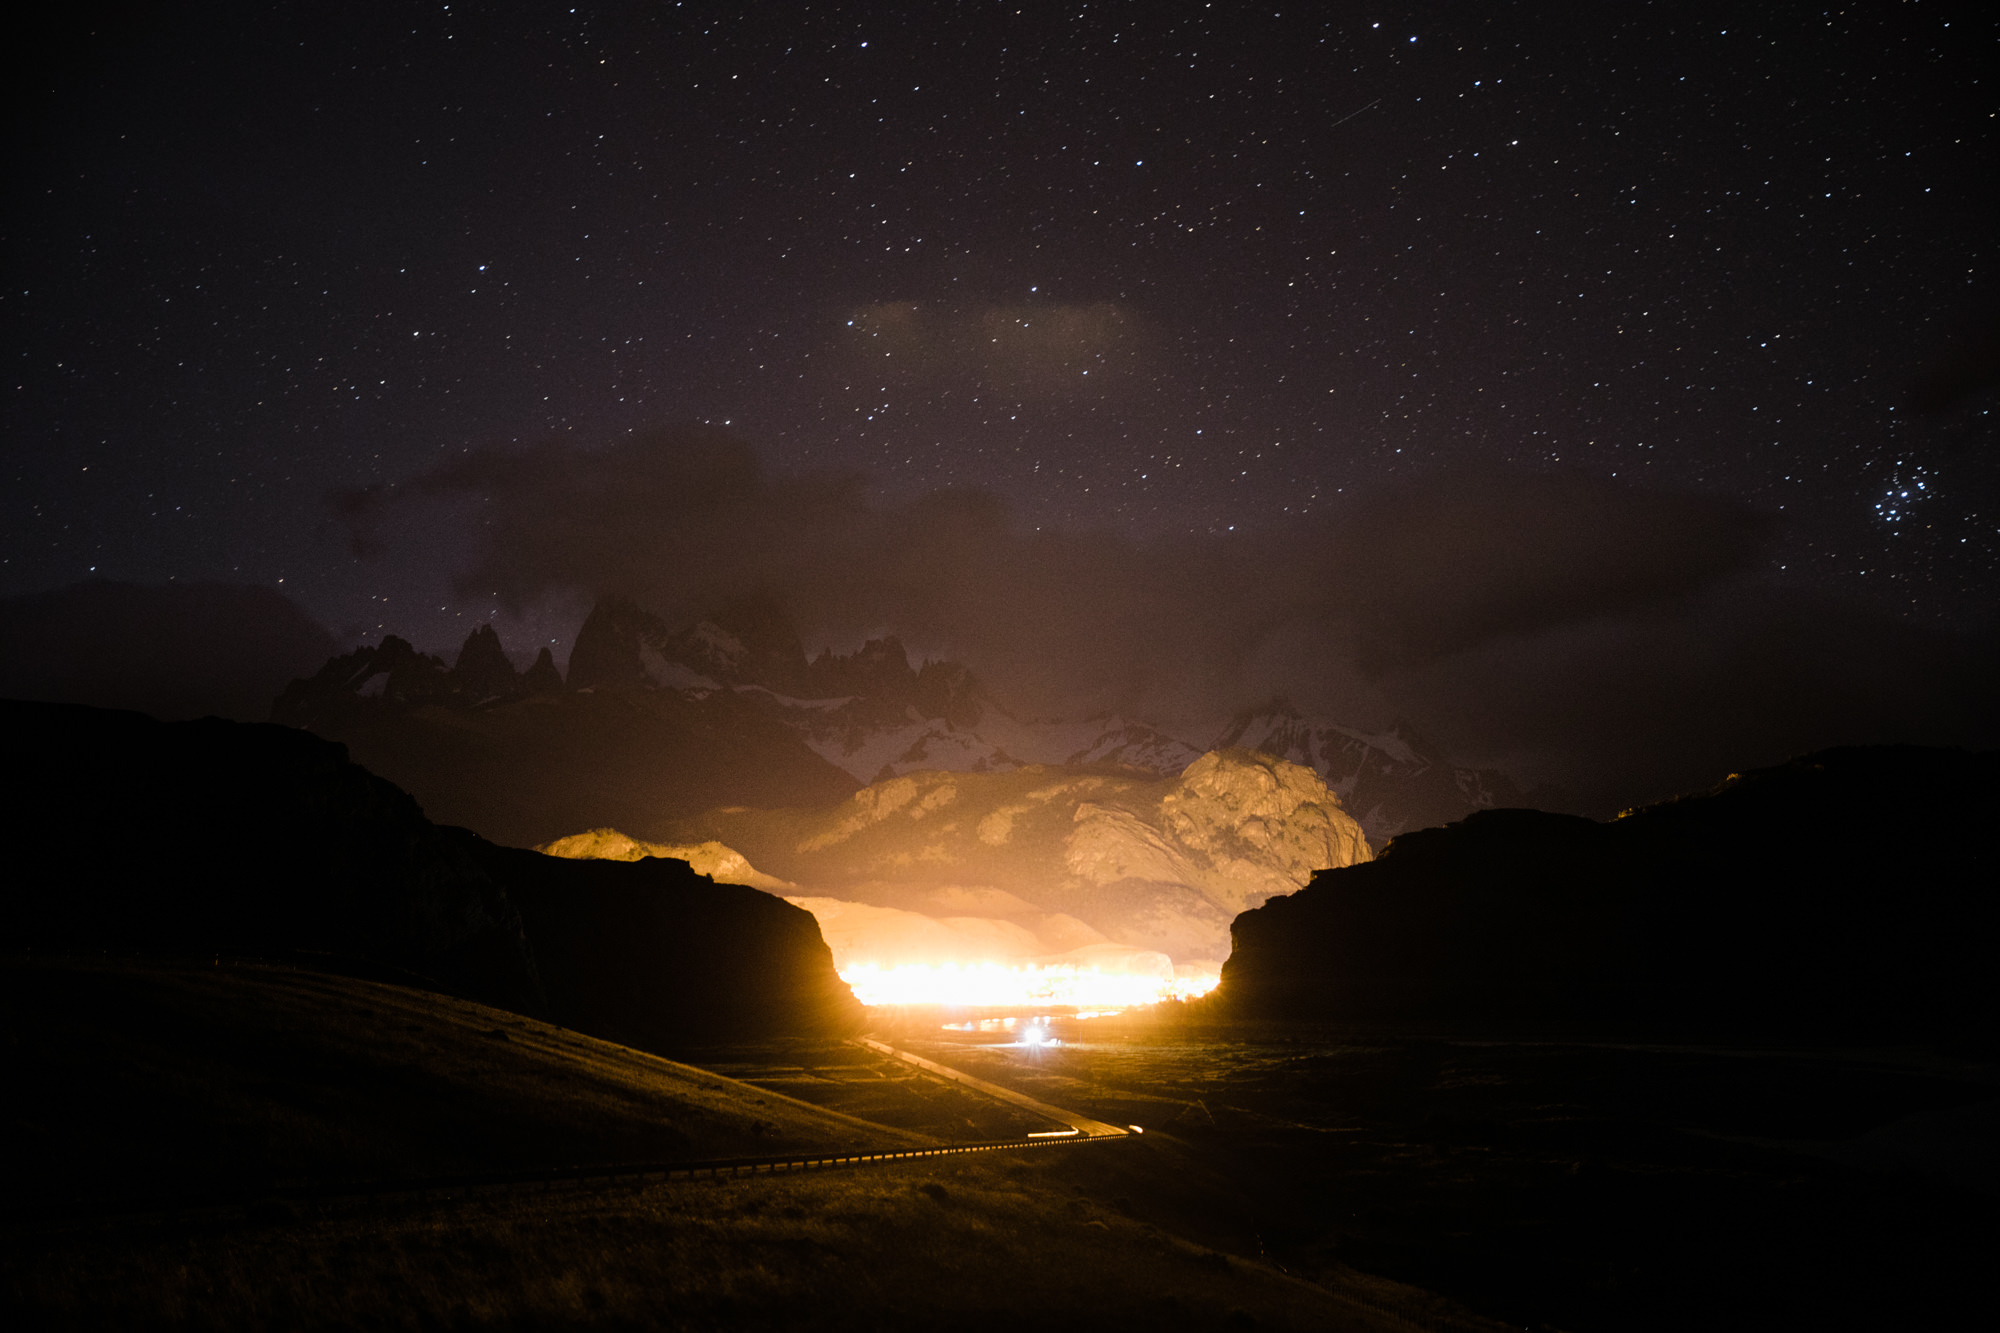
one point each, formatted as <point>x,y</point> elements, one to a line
<point>170,1122</point>
<point>1565,1183</point>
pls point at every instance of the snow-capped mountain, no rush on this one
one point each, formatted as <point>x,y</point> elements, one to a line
<point>862,717</point>
<point>1392,781</point>
<point>870,713</point>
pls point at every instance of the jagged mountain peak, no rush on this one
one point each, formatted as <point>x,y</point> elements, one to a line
<point>608,653</point>
<point>483,670</point>
<point>543,677</point>
<point>750,643</point>
<point>874,715</point>
<point>759,622</point>
<point>747,641</point>
<point>393,671</point>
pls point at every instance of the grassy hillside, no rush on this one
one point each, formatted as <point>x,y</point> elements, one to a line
<point>191,838</point>
<point>140,1080</point>
<point>154,1102</point>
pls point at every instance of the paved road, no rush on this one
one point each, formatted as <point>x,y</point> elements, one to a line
<point>1079,1124</point>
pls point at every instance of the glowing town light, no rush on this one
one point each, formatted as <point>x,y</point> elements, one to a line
<point>980,984</point>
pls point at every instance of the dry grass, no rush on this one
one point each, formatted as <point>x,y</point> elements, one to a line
<point>141,1080</point>
<point>990,1245</point>
<point>1609,1186</point>
<point>158,1101</point>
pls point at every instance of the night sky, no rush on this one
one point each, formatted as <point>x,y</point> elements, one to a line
<point>1547,374</point>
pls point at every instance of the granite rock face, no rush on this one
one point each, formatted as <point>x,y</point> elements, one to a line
<point>719,863</point>
<point>1160,865</point>
<point>217,837</point>
<point>1767,905</point>
<point>1260,826</point>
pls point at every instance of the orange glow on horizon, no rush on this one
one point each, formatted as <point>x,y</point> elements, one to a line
<point>981,984</point>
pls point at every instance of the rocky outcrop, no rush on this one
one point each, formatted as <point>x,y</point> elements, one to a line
<point>202,837</point>
<point>1236,827</point>
<point>1257,826</point>
<point>1771,904</point>
<point>1147,863</point>
<point>719,863</point>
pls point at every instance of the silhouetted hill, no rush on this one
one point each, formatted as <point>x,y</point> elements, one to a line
<point>172,650</point>
<point>177,838</point>
<point>1850,893</point>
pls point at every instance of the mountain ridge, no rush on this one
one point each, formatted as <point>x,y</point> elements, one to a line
<point>870,715</point>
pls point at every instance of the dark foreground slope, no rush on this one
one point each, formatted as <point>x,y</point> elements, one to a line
<point>184,1142</point>
<point>1851,894</point>
<point>262,1076</point>
<point>217,837</point>
<point>1603,1186</point>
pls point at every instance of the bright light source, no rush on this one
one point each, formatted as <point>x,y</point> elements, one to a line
<point>997,984</point>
